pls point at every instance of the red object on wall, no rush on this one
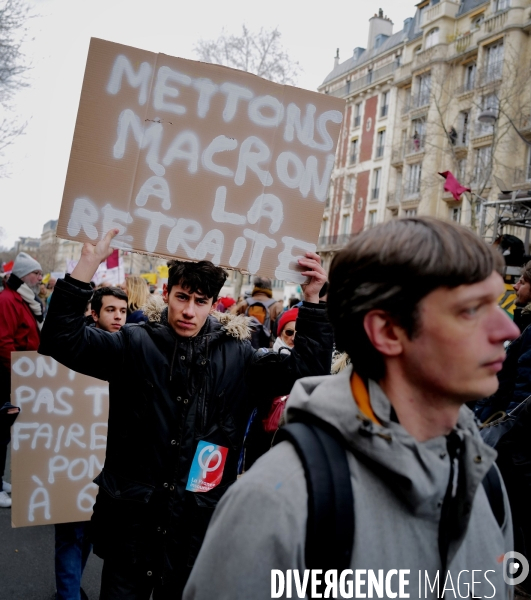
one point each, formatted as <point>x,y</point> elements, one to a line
<point>113,260</point>
<point>360,205</point>
<point>369,127</point>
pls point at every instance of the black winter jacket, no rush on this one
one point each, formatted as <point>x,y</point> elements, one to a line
<point>166,394</point>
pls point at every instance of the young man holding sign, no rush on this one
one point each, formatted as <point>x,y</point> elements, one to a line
<point>181,392</point>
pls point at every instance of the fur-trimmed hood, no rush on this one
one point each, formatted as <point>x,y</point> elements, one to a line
<point>236,326</point>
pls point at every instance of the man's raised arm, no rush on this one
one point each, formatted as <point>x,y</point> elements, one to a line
<point>65,335</point>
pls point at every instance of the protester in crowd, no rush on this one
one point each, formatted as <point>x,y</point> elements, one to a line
<point>265,420</point>
<point>286,330</point>
<point>138,294</point>
<point>50,286</point>
<point>181,391</point>
<point>225,303</point>
<point>514,379</point>
<point>522,311</point>
<point>263,309</point>
<point>109,308</point>
<point>72,540</point>
<point>43,296</point>
<point>414,304</point>
<point>21,316</point>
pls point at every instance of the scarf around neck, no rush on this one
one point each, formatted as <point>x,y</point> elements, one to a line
<point>17,285</point>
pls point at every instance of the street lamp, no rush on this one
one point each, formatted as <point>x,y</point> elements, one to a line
<point>489,116</point>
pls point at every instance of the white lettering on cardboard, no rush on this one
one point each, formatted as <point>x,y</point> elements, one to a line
<point>97,392</point>
<point>75,431</point>
<point>84,215</point>
<point>186,230</point>
<point>273,105</point>
<point>115,219</point>
<point>145,137</point>
<point>140,79</point>
<point>85,502</point>
<point>305,131</point>
<point>157,220</point>
<point>330,115</point>
<point>178,151</point>
<point>18,436</point>
<point>212,244</point>
<point>250,160</point>
<point>166,75</point>
<point>261,242</point>
<point>221,143</point>
<point>237,252</point>
<point>154,186</point>
<point>269,206</point>
<point>36,502</point>
<point>24,366</point>
<point>234,93</point>
<point>98,441</point>
<point>285,270</point>
<point>206,90</point>
<point>45,364</point>
<point>219,213</point>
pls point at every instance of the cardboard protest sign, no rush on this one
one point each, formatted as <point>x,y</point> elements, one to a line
<point>198,161</point>
<point>58,441</point>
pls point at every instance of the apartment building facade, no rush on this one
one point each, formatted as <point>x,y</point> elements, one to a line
<point>450,65</point>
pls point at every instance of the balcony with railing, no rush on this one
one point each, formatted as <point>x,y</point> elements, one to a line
<point>334,241</point>
<point>490,74</point>
<point>420,100</point>
<point>468,86</point>
<point>371,77</point>
<point>415,145</point>
<point>445,8</point>
<point>393,198</point>
<point>496,21</point>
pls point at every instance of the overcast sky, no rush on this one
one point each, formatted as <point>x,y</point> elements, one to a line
<point>31,194</point>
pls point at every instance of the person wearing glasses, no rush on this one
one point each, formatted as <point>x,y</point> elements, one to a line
<point>21,315</point>
<point>286,330</point>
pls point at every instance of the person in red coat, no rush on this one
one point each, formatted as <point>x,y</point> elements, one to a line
<point>21,316</point>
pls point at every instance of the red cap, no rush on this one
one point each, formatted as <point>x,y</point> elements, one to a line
<point>286,317</point>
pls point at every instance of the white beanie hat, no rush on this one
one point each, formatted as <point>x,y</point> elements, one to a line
<point>24,265</point>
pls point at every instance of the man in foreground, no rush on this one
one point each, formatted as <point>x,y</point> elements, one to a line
<point>414,304</point>
<point>180,396</point>
<point>72,540</point>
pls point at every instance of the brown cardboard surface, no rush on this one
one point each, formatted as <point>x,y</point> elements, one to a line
<point>159,139</point>
<point>58,440</point>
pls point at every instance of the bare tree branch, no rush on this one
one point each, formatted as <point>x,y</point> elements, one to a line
<point>260,53</point>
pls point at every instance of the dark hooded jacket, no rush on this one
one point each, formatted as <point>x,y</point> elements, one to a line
<point>167,393</point>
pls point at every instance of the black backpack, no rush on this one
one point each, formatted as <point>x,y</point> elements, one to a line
<point>330,526</point>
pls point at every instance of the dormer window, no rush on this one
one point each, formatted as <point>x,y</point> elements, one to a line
<point>432,37</point>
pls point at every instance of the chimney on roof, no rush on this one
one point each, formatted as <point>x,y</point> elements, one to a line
<point>336,59</point>
<point>380,24</point>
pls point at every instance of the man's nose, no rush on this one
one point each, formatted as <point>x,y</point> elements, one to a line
<point>189,309</point>
<point>507,330</point>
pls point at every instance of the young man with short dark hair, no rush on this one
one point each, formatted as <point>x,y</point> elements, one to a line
<point>414,304</point>
<point>109,308</point>
<point>181,390</point>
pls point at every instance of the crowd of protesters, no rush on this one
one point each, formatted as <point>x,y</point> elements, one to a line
<point>409,312</point>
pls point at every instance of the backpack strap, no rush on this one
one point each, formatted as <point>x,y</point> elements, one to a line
<point>330,525</point>
<point>493,489</point>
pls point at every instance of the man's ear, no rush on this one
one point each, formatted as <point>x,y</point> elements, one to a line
<point>383,332</point>
<point>94,315</point>
<point>165,292</point>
